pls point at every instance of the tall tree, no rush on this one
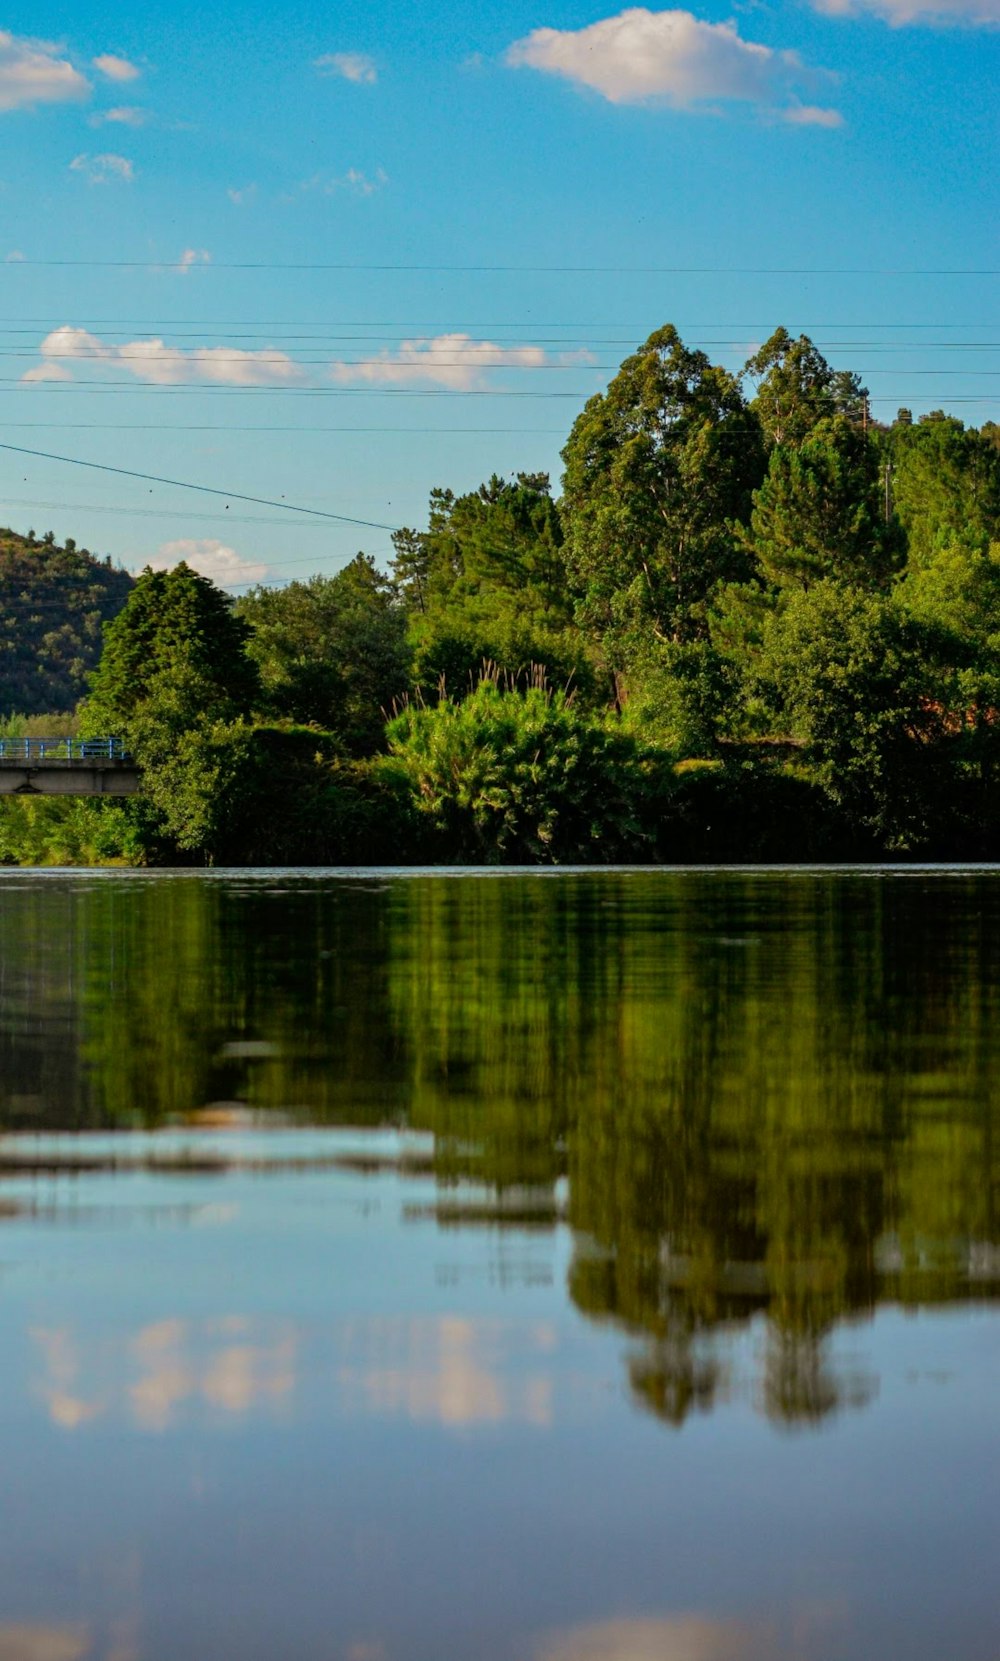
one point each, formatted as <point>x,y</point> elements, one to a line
<point>796,388</point>
<point>177,642</point>
<point>657,467</point>
<point>944,481</point>
<point>174,682</point>
<point>820,511</point>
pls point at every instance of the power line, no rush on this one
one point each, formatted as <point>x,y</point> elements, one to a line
<point>160,513</point>
<point>462,343</point>
<point>474,354</point>
<point>555,270</point>
<point>305,431</point>
<point>479,323</point>
<point>209,490</point>
<point>199,389</point>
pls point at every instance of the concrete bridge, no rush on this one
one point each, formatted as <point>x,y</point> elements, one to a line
<point>66,767</point>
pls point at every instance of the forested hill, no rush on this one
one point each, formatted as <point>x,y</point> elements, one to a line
<point>53,602</point>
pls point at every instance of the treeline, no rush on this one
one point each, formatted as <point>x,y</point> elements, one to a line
<point>54,602</point>
<point>756,624</point>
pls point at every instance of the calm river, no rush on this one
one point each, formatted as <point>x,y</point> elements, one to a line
<point>569,1267</point>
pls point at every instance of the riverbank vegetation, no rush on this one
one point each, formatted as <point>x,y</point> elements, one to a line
<point>755,624</point>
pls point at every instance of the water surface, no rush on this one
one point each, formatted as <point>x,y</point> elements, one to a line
<point>550,1267</point>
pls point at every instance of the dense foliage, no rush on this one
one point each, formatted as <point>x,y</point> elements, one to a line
<point>756,624</point>
<point>53,602</point>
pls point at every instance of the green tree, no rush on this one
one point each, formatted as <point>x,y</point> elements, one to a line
<point>175,683</point>
<point>487,582</point>
<point>954,596</point>
<point>332,651</point>
<point>796,389</point>
<point>944,479</point>
<point>657,468</point>
<point>177,641</point>
<point>820,513</point>
<point>843,674</point>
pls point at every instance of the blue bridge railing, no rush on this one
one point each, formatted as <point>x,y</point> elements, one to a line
<point>30,751</point>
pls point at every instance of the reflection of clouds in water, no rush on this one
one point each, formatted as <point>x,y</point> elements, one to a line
<point>450,1370</point>
<point>691,1638</point>
<point>32,1642</point>
<point>181,1361</point>
<point>228,1365</point>
<point>43,1643</point>
<point>66,1407</point>
<point>673,1638</point>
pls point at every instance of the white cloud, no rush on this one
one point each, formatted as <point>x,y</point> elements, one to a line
<point>46,372</point>
<point>350,66</point>
<point>15,257</point>
<point>123,115</point>
<point>672,57</point>
<point>101,170</point>
<point>239,197</point>
<point>354,181</point>
<point>811,115</point>
<point>452,360</point>
<point>32,72</point>
<point>116,69</point>
<point>212,559</point>
<point>190,258</point>
<point>160,365</point>
<point>982,14</point>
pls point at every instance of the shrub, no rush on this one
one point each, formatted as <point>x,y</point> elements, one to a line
<point>522,778</point>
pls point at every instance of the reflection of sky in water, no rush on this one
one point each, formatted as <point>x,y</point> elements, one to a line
<point>662,1329</point>
<point>266,1413</point>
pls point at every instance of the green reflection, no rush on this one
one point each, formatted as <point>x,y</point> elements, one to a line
<point>770,1095</point>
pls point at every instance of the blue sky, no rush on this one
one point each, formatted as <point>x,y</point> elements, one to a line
<point>596,172</point>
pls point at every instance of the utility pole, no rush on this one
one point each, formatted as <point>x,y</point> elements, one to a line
<point>888,490</point>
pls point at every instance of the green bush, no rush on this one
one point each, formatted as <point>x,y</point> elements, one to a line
<point>523,777</point>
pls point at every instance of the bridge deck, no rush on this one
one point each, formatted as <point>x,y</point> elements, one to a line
<point>66,767</point>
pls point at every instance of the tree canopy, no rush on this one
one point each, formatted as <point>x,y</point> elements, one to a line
<point>755,622</point>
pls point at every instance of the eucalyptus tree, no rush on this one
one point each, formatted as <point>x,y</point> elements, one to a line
<point>657,469</point>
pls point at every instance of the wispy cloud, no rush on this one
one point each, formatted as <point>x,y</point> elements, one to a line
<point>123,115</point>
<point>157,364</point>
<point>970,14</point>
<point>349,66</point>
<point>354,182</point>
<point>455,361</point>
<point>190,258</point>
<point>212,559</point>
<point>811,115</point>
<point>35,72</point>
<point>669,57</point>
<point>241,195</point>
<point>114,68</point>
<point>102,170</point>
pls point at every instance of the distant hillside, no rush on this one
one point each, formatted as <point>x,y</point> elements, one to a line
<point>53,602</point>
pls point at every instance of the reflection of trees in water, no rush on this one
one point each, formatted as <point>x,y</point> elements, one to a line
<point>751,1083</point>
